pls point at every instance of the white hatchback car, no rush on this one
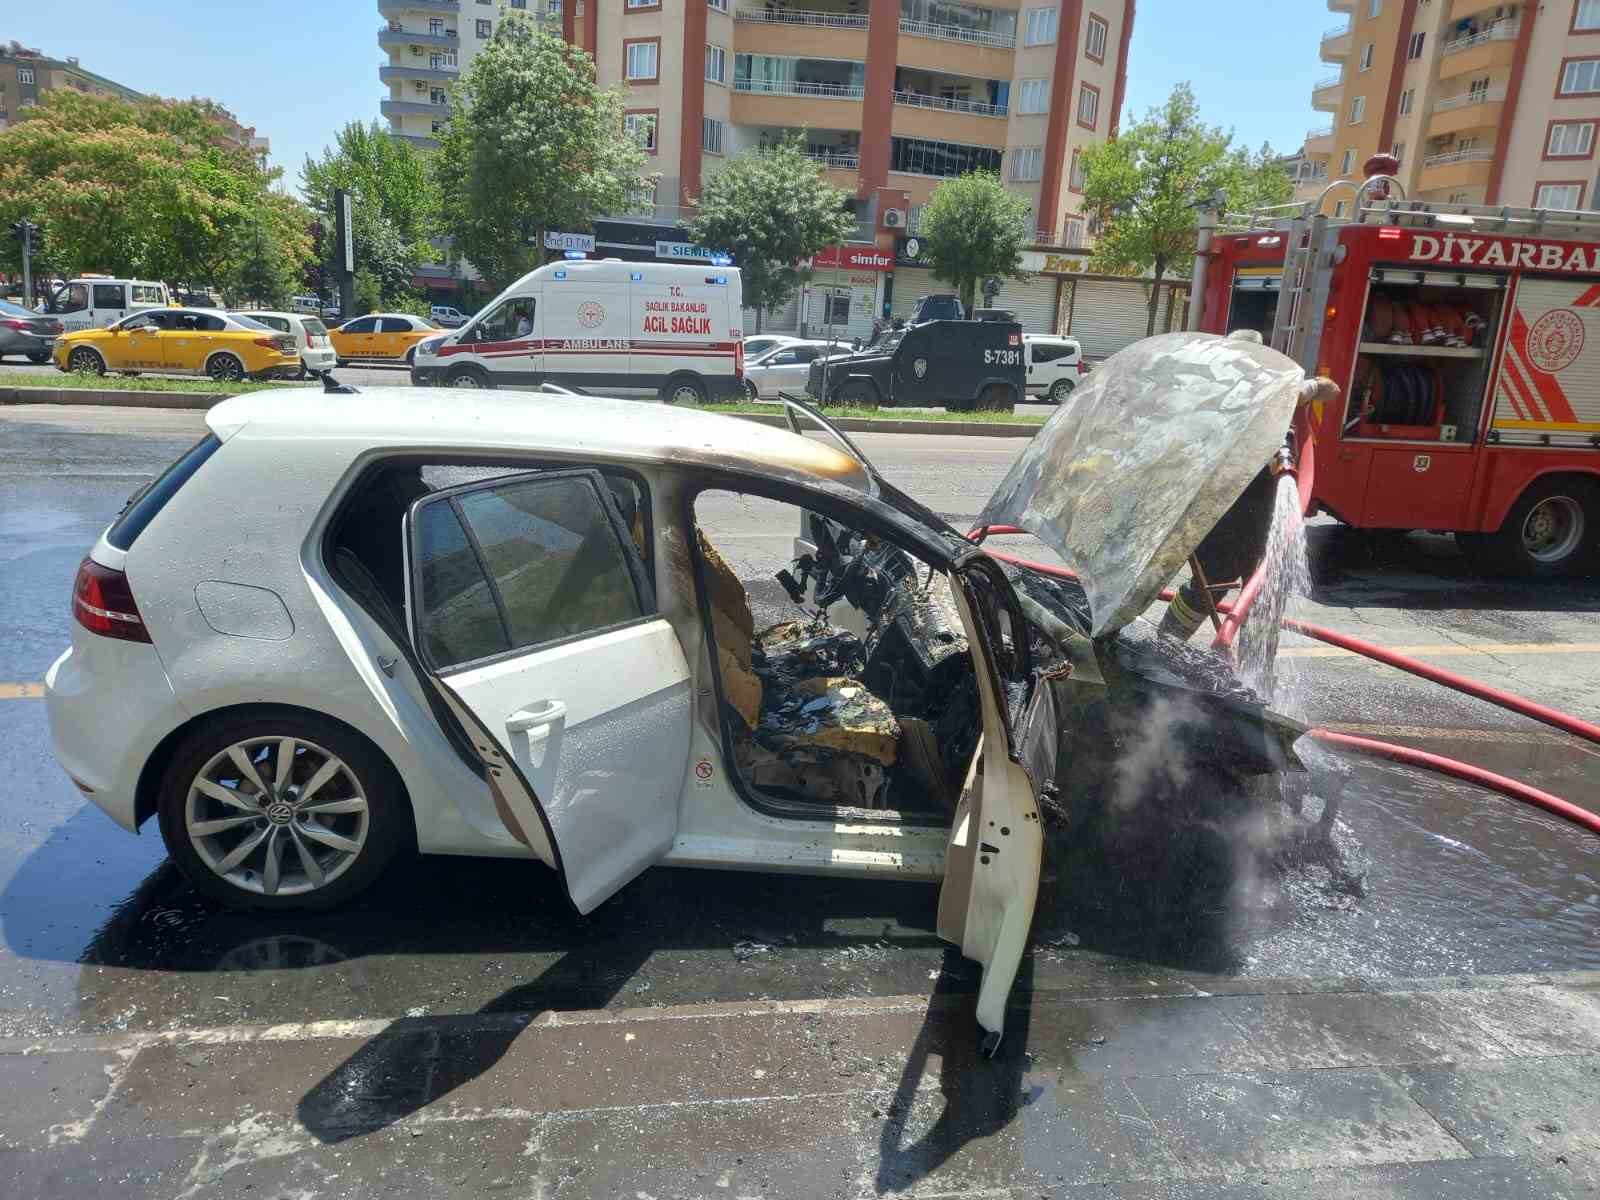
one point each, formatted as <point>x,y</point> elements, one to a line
<point>310,335</point>
<point>457,630</point>
<point>1054,364</point>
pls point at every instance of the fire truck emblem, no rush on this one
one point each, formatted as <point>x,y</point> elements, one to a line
<point>1555,340</point>
<point>1421,463</point>
<point>591,315</point>
<point>919,368</point>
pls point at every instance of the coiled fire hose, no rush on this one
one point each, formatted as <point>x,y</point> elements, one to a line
<point>1510,701</point>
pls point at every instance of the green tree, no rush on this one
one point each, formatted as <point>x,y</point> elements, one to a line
<point>394,206</point>
<point>771,210</point>
<point>534,144</point>
<point>151,189</point>
<point>266,257</point>
<point>973,228</point>
<point>1148,185</point>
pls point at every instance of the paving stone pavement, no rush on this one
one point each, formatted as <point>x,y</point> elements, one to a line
<point>1488,1087</point>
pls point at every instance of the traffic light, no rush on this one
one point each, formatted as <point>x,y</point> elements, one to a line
<point>25,231</point>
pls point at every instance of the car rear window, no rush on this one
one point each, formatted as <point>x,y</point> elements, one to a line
<point>144,504</point>
<point>256,320</point>
<point>314,327</point>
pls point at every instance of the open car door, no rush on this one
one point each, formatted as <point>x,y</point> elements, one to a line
<point>533,612</point>
<point>991,878</point>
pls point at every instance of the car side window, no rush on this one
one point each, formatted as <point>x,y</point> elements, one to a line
<point>142,321</point>
<point>394,325</point>
<point>1047,352</point>
<point>361,325</point>
<point>505,323</point>
<point>70,299</point>
<point>109,295</point>
<point>522,563</point>
<point>209,324</point>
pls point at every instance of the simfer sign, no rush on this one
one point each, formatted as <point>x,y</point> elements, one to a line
<point>856,258</point>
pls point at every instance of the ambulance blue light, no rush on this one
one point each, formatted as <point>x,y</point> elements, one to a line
<point>636,276</point>
<point>721,260</point>
<point>574,254</point>
<point>561,274</point>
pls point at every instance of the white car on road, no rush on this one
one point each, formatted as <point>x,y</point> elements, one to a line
<point>310,335</point>
<point>1055,365</point>
<point>504,628</point>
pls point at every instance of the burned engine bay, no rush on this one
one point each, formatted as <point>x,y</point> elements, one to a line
<point>867,698</point>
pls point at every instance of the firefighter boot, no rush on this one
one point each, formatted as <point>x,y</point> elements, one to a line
<point>1184,614</point>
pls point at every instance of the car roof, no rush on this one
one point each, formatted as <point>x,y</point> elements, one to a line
<point>581,427</point>
<point>273,312</point>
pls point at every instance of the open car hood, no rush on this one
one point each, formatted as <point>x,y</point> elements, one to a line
<point>1128,475</point>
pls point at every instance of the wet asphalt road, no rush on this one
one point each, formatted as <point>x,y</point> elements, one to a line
<point>98,933</point>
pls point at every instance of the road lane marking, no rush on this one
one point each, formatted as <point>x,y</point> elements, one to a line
<point>1450,649</point>
<point>21,691</point>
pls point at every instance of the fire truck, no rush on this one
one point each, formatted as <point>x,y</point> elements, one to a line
<point>1465,341</point>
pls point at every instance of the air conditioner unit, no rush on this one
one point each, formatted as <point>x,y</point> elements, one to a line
<point>894,218</point>
<point>419,85</point>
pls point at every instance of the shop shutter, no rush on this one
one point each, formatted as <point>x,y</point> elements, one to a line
<point>779,320</point>
<point>1109,314</point>
<point>1033,299</point>
<point>909,283</point>
<point>860,320</point>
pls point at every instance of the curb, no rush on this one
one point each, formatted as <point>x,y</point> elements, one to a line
<point>95,397</point>
<point>92,397</point>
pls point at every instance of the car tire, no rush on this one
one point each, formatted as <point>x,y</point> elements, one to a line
<point>683,389</point>
<point>751,392</point>
<point>997,397</point>
<point>860,393</point>
<point>1060,390</point>
<point>38,357</point>
<point>225,368</point>
<point>341,362</point>
<point>468,377</point>
<point>411,357</point>
<point>324,857</point>
<point>302,373</point>
<point>1551,532</point>
<point>85,361</point>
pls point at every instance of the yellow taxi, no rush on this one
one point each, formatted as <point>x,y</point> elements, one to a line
<point>183,341</point>
<point>388,337</point>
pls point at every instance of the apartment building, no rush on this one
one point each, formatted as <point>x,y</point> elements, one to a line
<point>26,74</point>
<point>1483,103</point>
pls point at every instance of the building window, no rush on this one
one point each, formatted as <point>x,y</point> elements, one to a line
<point>1033,96</point>
<point>1573,139</point>
<point>643,3</point>
<point>1459,197</point>
<point>1041,27</point>
<point>1348,162</point>
<point>1466,143</point>
<point>924,156</point>
<point>1414,46</point>
<point>1407,99</point>
<point>1366,58</point>
<point>641,127</point>
<point>1027,164</point>
<point>710,135</point>
<point>1586,17</point>
<point>1088,104</point>
<point>1338,208</point>
<point>716,64</point>
<point>436,26</point>
<point>523,4</point>
<point>1374,7</point>
<point>719,5</point>
<point>24,74</point>
<point>1558,195</point>
<point>641,60</point>
<point>1358,110</point>
<point>1094,41</point>
<point>485,28</point>
<point>1478,90</point>
<point>1399,151</point>
<point>1580,76</point>
<point>438,96</point>
<point>1078,176</point>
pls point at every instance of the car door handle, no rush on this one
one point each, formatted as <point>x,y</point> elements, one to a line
<point>536,719</point>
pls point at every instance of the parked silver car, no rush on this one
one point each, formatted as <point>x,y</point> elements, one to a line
<point>25,332</point>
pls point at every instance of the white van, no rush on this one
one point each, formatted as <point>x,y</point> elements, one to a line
<point>1055,364</point>
<point>96,301</point>
<point>676,332</point>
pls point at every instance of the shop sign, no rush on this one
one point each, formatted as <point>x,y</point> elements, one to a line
<point>1047,263</point>
<point>569,241</point>
<point>684,252</point>
<point>856,258</point>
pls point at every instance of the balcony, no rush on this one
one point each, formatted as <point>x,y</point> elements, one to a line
<point>1494,46</point>
<point>391,38</point>
<point>797,87</point>
<point>1463,10</point>
<point>945,104</point>
<point>418,141</point>
<point>816,18</point>
<point>1336,43</point>
<point>413,108</point>
<point>396,8</point>
<point>959,33</point>
<point>1455,170</point>
<point>1319,141</point>
<point>404,74</point>
<point>1470,110</point>
<point>1325,93</point>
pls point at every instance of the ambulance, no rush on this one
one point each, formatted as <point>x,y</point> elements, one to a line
<point>1465,341</point>
<point>610,327</point>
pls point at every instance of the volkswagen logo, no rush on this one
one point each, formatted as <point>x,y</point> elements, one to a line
<point>279,812</point>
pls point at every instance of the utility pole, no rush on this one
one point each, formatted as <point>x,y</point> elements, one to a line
<point>24,231</point>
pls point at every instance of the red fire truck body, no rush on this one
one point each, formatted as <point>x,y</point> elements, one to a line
<point>1468,364</point>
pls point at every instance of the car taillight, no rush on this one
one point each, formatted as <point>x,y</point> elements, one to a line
<point>102,602</point>
<point>738,360</point>
<point>1083,368</point>
<point>15,323</point>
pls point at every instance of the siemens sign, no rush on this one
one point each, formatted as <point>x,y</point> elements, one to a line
<point>685,252</point>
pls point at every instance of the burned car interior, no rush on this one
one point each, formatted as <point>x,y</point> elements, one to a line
<point>863,695</point>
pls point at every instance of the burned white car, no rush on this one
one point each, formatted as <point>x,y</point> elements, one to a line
<point>539,626</point>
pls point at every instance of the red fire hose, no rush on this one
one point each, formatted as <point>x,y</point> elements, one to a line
<point>1403,754</point>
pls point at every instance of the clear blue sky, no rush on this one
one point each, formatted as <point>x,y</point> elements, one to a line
<point>298,70</point>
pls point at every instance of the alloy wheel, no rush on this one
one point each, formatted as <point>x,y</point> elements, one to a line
<point>1553,529</point>
<point>84,361</point>
<point>685,393</point>
<point>466,379</point>
<point>277,816</point>
<point>225,368</point>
